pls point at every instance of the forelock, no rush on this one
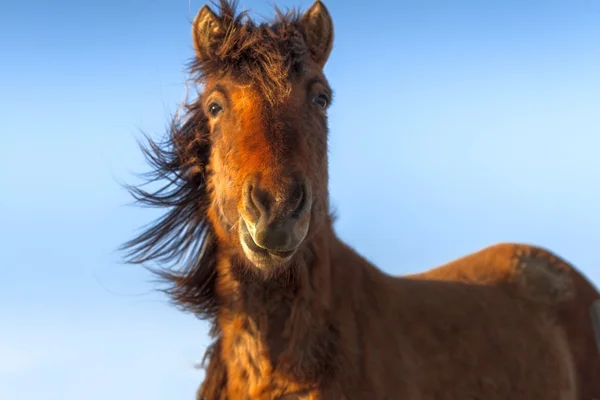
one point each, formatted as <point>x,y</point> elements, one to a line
<point>268,55</point>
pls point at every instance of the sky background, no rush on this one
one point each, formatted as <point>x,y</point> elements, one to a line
<point>456,125</point>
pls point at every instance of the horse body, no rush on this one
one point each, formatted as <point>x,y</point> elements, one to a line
<point>296,313</point>
<point>384,337</point>
<point>500,266</point>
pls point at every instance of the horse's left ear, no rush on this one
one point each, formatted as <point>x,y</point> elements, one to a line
<point>318,32</point>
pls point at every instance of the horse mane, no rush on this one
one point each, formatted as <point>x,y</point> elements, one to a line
<point>182,242</point>
<point>183,236</point>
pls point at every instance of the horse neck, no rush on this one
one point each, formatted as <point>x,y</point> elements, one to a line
<point>268,320</point>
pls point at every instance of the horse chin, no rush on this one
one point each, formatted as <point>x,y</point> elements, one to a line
<point>262,258</point>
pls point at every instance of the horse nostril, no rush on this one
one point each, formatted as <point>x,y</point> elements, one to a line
<point>255,201</point>
<point>298,200</point>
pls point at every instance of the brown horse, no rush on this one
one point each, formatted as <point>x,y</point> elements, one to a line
<point>295,312</point>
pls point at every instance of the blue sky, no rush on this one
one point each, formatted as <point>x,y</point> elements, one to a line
<point>456,124</point>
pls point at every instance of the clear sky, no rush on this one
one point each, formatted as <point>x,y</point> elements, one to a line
<point>456,124</point>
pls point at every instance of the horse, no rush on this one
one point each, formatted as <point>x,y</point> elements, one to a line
<point>247,243</point>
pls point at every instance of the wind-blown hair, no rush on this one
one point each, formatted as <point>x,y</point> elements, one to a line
<point>266,55</point>
<point>183,236</point>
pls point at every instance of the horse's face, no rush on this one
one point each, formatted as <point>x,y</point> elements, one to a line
<point>268,162</point>
<point>267,165</point>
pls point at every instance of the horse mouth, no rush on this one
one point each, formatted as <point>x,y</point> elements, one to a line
<point>259,256</point>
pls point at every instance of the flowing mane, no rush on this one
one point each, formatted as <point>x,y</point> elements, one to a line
<point>247,243</point>
<point>183,237</point>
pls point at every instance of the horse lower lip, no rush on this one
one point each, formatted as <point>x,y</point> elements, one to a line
<point>282,254</point>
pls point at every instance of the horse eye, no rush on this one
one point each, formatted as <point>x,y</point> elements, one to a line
<point>214,109</point>
<point>321,101</point>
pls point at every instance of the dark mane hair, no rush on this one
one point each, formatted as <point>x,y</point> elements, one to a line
<point>266,55</point>
<point>183,236</point>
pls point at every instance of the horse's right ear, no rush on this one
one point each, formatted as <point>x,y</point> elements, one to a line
<point>207,30</point>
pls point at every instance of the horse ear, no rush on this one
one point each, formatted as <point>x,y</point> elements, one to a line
<point>318,32</point>
<point>207,29</point>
